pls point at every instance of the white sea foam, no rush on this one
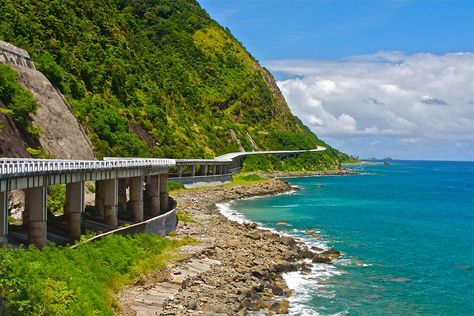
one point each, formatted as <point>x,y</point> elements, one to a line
<point>227,211</point>
<point>304,286</point>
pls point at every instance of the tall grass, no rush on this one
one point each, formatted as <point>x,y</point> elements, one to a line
<point>81,281</point>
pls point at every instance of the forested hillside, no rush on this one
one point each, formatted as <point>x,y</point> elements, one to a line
<point>155,78</point>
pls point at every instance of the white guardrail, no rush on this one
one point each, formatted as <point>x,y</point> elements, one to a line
<point>178,161</point>
<point>10,167</point>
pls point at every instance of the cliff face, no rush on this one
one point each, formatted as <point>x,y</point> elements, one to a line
<point>154,78</point>
<point>11,140</point>
<point>60,134</point>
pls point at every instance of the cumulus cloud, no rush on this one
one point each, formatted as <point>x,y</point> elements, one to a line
<point>426,99</point>
<point>408,98</point>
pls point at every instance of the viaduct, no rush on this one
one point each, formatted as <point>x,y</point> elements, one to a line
<point>146,206</point>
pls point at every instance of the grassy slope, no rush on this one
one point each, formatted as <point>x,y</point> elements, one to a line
<point>82,281</point>
<point>155,77</point>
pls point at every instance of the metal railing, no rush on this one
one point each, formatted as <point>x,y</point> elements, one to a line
<point>184,161</point>
<point>14,167</point>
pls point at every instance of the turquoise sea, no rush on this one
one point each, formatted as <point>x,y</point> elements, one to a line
<point>406,231</point>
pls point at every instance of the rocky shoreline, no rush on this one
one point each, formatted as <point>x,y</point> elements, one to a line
<point>233,269</point>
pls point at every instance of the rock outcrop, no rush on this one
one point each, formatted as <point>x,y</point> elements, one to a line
<point>62,136</point>
<point>12,143</point>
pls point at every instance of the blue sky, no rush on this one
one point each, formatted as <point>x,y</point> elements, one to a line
<point>372,75</point>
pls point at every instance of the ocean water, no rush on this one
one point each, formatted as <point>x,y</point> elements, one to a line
<point>406,231</point>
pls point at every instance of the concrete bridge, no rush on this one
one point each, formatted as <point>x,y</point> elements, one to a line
<point>220,169</point>
<point>145,180</point>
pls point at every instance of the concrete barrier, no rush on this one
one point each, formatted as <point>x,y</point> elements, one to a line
<point>158,225</point>
<point>202,179</point>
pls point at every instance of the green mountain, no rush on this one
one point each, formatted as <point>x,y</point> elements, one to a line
<point>155,78</point>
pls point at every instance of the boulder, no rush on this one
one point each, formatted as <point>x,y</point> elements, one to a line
<point>332,253</point>
<point>305,254</point>
<point>269,234</point>
<point>288,241</point>
<point>283,266</point>
<point>254,234</point>
<point>319,258</point>
<point>317,249</point>
<point>280,307</point>
<point>259,271</point>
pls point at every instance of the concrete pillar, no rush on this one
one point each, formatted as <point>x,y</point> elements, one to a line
<point>164,192</point>
<point>153,194</point>
<point>99,197</point>
<point>214,169</point>
<point>203,170</point>
<point>193,170</point>
<point>180,171</point>
<point>136,198</point>
<point>67,203</point>
<point>35,203</point>
<point>3,219</point>
<point>122,195</point>
<point>25,214</point>
<point>75,191</point>
<point>110,198</point>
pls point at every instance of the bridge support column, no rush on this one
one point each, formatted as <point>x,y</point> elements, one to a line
<point>193,170</point>
<point>180,171</point>
<point>122,195</point>
<point>164,192</point>
<point>99,197</point>
<point>136,198</point>
<point>36,206</point>
<point>3,219</point>
<point>67,203</point>
<point>153,195</point>
<point>202,170</point>
<point>214,170</point>
<point>110,198</point>
<point>75,192</point>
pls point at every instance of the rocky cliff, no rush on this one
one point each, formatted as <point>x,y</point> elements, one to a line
<point>60,135</point>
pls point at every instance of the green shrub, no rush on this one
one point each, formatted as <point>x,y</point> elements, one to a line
<point>18,100</point>
<point>173,186</point>
<point>56,198</point>
<point>90,187</point>
<point>251,177</point>
<point>81,281</point>
<point>54,72</point>
<point>184,217</point>
<point>256,163</point>
<point>38,153</point>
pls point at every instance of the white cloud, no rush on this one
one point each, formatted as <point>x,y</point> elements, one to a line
<point>410,140</point>
<point>417,97</point>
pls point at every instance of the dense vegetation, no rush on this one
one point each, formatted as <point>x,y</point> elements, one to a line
<point>154,77</point>
<point>18,101</point>
<point>320,161</point>
<point>82,281</point>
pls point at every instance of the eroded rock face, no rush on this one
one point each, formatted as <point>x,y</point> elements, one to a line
<point>62,136</point>
<point>12,143</point>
